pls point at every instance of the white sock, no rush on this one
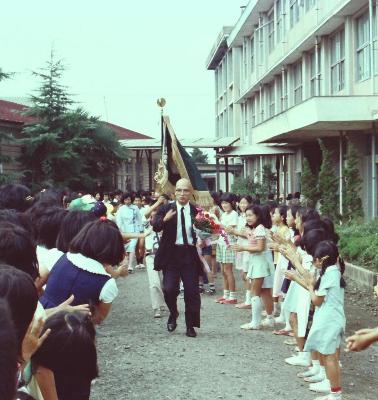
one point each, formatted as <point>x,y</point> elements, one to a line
<point>232,296</point>
<point>226,294</point>
<point>276,307</point>
<point>315,366</point>
<point>322,371</point>
<point>256,310</point>
<point>287,319</point>
<point>247,297</point>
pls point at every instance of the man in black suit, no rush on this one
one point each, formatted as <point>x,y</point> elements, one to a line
<point>177,257</point>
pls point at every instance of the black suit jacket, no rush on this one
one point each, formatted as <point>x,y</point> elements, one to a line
<point>163,257</point>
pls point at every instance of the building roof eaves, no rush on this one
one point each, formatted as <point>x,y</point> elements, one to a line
<point>219,49</point>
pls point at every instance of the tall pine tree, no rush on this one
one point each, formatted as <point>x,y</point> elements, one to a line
<point>352,203</point>
<point>328,185</point>
<point>309,185</point>
<point>63,147</point>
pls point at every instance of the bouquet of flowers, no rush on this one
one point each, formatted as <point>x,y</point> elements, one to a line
<point>206,227</point>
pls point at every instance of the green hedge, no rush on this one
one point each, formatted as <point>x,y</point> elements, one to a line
<point>359,244</point>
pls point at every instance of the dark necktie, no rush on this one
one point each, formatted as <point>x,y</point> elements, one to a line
<point>184,235</point>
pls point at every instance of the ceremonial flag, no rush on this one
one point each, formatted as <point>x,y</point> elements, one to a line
<point>175,164</point>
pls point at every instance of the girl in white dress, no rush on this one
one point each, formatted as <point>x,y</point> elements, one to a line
<point>225,253</point>
<point>259,266</point>
<point>241,261</point>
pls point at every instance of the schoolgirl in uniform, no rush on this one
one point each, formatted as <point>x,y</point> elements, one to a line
<point>327,294</point>
<point>241,261</point>
<point>225,253</point>
<point>259,266</point>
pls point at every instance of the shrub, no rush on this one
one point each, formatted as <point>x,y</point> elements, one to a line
<point>359,244</point>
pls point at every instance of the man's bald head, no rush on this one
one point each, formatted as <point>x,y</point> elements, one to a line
<point>184,190</point>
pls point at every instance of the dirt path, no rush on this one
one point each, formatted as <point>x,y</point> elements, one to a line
<point>139,359</point>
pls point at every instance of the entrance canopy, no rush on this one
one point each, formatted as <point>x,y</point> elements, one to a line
<point>256,150</point>
<point>205,143</point>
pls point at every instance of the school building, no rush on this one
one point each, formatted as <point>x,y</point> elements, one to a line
<point>292,71</point>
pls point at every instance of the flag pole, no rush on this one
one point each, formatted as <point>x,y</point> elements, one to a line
<point>161,103</point>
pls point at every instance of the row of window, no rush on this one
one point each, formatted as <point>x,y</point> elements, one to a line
<point>336,63</point>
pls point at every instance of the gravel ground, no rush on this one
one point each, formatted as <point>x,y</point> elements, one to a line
<point>139,359</point>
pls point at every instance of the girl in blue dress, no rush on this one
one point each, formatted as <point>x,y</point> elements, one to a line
<point>328,327</point>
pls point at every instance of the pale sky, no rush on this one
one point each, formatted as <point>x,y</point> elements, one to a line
<point>121,55</point>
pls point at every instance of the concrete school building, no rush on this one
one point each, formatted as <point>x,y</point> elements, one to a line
<point>291,71</point>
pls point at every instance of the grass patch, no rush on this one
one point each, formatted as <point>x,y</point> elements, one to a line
<point>359,244</point>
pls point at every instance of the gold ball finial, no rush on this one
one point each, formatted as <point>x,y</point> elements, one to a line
<point>161,102</point>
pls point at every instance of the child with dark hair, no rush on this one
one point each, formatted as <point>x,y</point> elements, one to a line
<point>66,363</point>
<point>279,220</point>
<point>242,258</point>
<point>15,196</point>
<point>46,223</point>
<point>17,249</point>
<point>298,301</point>
<point>328,327</point>
<point>129,220</point>
<point>225,254</point>
<point>284,317</point>
<point>18,289</point>
<point>259,265</point>
<point>71,225</point>
<point>8,353</point>
<point>85,271</point>
<point>17,218</point>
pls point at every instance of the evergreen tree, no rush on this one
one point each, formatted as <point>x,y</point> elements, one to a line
<point>63,146</point>
<point>309,185</point>
<point>328,185</point>
<point>269,182</point>
<point>103,154</point>
<point>352,203</point>
<point>199,157</point>
<point>6,138</point>
<point>245,186</point>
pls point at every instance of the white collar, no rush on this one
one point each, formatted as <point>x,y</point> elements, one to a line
<point>87,264</point>
<point>332,268</point>
<point>180,206</point>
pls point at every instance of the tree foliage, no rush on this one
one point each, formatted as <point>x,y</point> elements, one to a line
<point>246,186</point>
<point>352,203</point>
<point>199,157</point>
<point>328,185</point>
<point>269,182</point>
<point>6,138</point>
<point>65,146</point>
<point>309,185</point>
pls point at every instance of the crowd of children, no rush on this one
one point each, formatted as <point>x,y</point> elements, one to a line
<point>61,254</point>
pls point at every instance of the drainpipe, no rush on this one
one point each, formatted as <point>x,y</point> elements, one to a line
<point>341,178</point>
<point>372,62</point>
<point>317,82</point>
<point>283,89</point>
<point>373,176</point>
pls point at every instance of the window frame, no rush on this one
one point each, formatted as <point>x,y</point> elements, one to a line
<point>252,55</point>
<point>270,31</point>
<point>271,100</point>
<point>363,49</point>
<point>294,10</point>
<point>338,64</point>
<point>297,84</point>
<point>315,73</point>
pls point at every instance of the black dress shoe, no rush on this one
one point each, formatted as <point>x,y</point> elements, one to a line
<point>190,332</point>
<point>171,324</point>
